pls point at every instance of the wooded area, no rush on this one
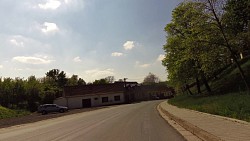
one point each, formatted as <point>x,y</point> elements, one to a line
<point>27,94</point>
<point>205,37</point>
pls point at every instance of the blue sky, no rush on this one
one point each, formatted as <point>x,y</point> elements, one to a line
<point>90,38</point>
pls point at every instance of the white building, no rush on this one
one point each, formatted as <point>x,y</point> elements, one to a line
<point>92,95</point>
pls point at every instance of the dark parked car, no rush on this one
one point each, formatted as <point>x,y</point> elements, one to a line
<point>47,108</point>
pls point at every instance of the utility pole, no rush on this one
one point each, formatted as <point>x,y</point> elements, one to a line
<point>126,91</point>
<point>124,80</point>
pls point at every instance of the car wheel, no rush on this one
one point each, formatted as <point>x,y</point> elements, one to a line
<point>61,110</point>
<point>44,112</point>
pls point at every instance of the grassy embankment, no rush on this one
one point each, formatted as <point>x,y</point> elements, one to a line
<point>8,113</point>
<point>228,99</point>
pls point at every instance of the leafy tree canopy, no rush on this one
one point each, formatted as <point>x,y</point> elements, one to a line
<point>151,79</point>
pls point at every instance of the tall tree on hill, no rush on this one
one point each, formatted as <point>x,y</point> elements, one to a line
<point>188,49</point>
<point>214,8</point>
<point>197,34</point>
<point>237,21</point>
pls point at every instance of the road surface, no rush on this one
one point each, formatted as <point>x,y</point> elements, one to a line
<point>131,122</point>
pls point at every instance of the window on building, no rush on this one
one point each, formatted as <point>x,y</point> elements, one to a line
<point>117,98</point>
<point>105,99</point>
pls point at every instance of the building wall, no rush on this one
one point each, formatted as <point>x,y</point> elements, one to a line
<point>74,102</point>
<point>61,101</point>
<point>148,92</point>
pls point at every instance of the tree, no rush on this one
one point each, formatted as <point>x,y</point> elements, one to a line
<point>62,80</point>
<point>236,22</point>
<point>73,81</point>
<point>53,85</point>
<point>81,82</point>
<point>7,92</point>
<point>33,91</point>
<point>151,79</point>
<point>19,93</point>
<point>188,47</point>
<point>199,42</point>
<point>58,78</point>
<point>101,81</point>
<point>110,79</point>
<point>214,9</point>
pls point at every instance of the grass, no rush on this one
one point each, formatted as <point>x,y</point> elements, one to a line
<point>231,105</point>
<point>231,81</point>
<point>229,96</point>
<point>9,113</point>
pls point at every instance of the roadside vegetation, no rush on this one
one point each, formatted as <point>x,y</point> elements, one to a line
<point>228,98</point>
<point>8,113</point>
<point>207,56</point>
<point>230,105</point>
<point>27,94</point>
<point>19,97</point>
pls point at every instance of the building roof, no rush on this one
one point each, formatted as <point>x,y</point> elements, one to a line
<point>93,89</point>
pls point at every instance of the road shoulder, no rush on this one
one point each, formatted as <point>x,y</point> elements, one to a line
<point>185,133</point>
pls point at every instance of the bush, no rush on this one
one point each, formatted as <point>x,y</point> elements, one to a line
<point>9,113</point>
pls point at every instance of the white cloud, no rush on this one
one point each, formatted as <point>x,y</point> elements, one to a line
<point>29,69</point>
<point>138,64</point>
<point>32,60</point>
<point>50,4</point>
<point>77,59</point>
<point>41,56</point>
<point>1,66</point>
<point>144,65</point>
<point>49,27</point>
<point>16,43</point>
<point>97,74</point>
<point>129,45</point>
<point>160,57</point>
<point>67,1</point>
<point>116,54</point>
<point>74,5</point>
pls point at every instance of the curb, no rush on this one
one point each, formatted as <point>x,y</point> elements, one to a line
<point>202,134</point>
<point>188,136</point>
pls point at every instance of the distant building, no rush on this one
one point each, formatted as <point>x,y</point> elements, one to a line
<point>92,95</point>
<point>109,94</point>
<point>149,92</point>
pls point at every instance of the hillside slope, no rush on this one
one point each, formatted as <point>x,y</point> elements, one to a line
<point>229,97</point>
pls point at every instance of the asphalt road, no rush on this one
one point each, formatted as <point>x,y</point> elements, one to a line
<point>131,122</point>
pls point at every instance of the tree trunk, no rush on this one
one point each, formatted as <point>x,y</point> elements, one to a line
<point>204,79</point>
<point>183,90</point>
<point>187,88</point>
<point>198,85</point>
